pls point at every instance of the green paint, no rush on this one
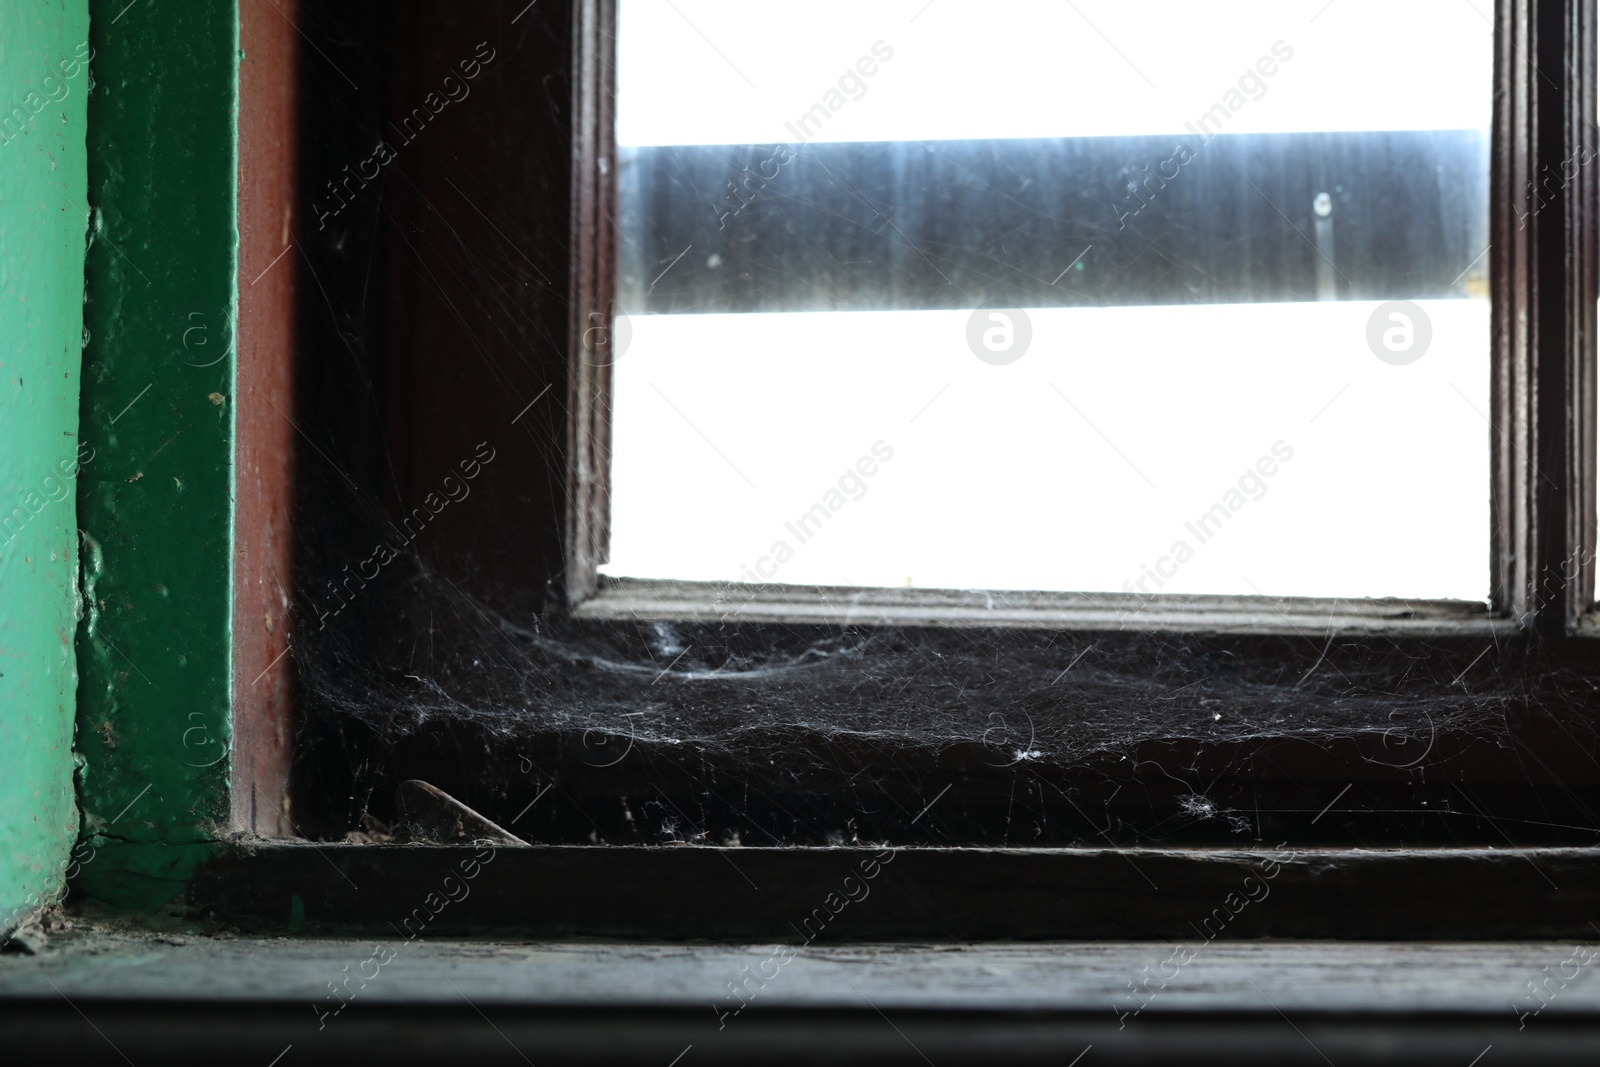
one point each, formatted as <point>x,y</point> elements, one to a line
<point>156,505</point>
<point>42,175</point>
<point>139,876</point>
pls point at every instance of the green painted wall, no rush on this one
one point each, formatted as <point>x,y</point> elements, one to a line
<point>43,85</point>
<point>158,390</point>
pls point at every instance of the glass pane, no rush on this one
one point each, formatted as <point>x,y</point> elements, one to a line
<point>1167,297</point>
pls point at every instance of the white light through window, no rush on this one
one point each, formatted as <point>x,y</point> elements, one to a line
<point>1161,298</point>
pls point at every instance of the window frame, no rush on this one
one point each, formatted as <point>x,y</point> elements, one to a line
<point>1409,656</point>
<point>1543,286</point>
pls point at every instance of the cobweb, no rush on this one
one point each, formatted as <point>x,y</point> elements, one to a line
<point>662,731</point>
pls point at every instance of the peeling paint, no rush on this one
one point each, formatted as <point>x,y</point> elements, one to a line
<point>156,508</point>
<point>42,185</point>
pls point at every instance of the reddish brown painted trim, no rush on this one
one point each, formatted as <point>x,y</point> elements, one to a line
<point>264,434</point>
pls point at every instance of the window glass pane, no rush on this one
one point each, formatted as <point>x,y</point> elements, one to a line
<point>1168,297</point>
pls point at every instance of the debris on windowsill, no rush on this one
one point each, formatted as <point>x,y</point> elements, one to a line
<point>428,813</point>
<point>373,831</point>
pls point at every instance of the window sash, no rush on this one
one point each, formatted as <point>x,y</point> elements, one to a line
<point>1543,284</point>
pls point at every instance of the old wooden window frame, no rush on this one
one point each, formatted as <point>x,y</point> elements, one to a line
<point>1544,278</point>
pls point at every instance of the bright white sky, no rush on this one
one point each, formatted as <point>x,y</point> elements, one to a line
<point>1078,465</point>
<point>733,71</point>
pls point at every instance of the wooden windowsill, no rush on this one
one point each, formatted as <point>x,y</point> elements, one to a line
<point>714,893</point>
<point>180,997</point>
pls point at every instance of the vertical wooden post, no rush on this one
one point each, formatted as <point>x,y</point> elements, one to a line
<point>269,263</point>
<point>160,396</point>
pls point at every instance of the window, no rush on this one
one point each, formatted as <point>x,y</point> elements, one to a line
<point>1000,310</point>
<point>492,659</point>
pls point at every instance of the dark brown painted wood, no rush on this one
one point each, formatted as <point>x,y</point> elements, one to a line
<point>593,251</point>
<point>1543,248</point>
<point>435,318</point>
<point>1583,290</point>
<point>760,895</point>
<point>265,438</point>
<point>471,224</point>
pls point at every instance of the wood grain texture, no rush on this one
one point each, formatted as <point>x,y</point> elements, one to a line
<point>185,998</point>
<point>639,599</point>
<point>1299,976</point>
